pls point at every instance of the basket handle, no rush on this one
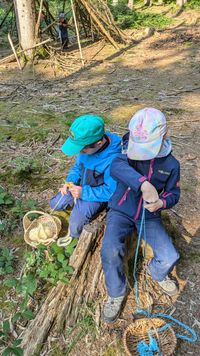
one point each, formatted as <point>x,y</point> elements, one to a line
<point>31,212</point>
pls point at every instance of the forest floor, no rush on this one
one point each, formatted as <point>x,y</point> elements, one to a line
<point>37,106</point>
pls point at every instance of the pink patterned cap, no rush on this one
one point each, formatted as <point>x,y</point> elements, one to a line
<point>147,128</point>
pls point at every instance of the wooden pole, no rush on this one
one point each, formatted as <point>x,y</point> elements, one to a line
<point>38,20</point>
<point>13,49</point>
<point>96,20</point>
<point>77,32</point>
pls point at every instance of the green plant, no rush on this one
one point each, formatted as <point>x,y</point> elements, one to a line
<point>10,345</point>
<point>193,4</point>
<point>5,198</point>
<point>45,264</point>
<point>144,19</point>
<point>21,207</point>
<point>128,18</point>
<point>12,210</point>
<point>52,264</point>
<point>23,167</point>
<point>6,261</point>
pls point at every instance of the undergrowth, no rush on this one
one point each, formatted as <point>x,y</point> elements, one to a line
<point>43,267</point>
<point>12,211</point>
<point>128,18</point>
<point>193,4</point>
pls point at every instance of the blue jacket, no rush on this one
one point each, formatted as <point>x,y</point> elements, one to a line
<point>163,173</point>
<point>92,172</point>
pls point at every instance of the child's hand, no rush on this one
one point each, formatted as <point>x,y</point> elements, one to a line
<point>149,192</point>
<point>64,189</point>
<point>76,191</point>
<point>154,206</point>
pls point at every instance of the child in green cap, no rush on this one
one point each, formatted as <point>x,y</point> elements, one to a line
<point>91,185</point>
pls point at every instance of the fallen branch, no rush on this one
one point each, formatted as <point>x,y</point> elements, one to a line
<point>12,56</point>
<point>187,90</point>
<point>49,26</point>
<point>13,49</point>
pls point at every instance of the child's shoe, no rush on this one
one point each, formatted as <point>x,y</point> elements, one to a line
<point>168,286</point>
<point>112,309</point>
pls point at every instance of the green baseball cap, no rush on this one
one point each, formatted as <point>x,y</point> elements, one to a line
<point>85,130</point>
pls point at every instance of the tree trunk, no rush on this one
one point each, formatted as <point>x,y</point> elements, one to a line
<point>147,2</point>
<point>26,20</point>
<point>181,3</point>
<point>114,2</point>
<point>130,4</point>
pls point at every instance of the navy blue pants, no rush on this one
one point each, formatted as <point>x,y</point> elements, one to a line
<point>82,213</point>
<point>119,226</point>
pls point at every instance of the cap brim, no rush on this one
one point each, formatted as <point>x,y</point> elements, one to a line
<point>143,151</point>
<point>71,147</point>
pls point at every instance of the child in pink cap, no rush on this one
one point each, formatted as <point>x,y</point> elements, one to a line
<point>147,174</point>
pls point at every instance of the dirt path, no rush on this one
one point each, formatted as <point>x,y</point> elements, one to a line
<point>162,71</point>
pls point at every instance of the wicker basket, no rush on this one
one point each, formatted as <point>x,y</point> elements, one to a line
<point>138,331</point>
<point>42,230</point>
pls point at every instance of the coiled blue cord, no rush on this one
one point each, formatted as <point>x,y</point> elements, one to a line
<point>143,348</point>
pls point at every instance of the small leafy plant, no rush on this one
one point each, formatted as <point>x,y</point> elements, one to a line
<point>5,198</point>
<point>52,264</point>
<point>10,346</point>
<point>42,266</point>
<point>23,167</point>
<point>12,210</point>
<point>6,261</point>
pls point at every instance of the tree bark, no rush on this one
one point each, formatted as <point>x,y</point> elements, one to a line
<point>181,3</point>
<point>130,4</point>
<point>25,15</point>
<point>147,2</point>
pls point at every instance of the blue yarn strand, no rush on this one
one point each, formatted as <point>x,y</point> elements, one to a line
<point>191,339</point>
<point>136,257</point>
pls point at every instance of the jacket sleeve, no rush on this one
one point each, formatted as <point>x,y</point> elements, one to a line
<point>171,193</point>
<point>122,172</point>
<point>75,173</point>
<point>101,193</point>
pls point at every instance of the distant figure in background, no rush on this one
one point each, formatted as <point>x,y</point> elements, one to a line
<point>63,31</point>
